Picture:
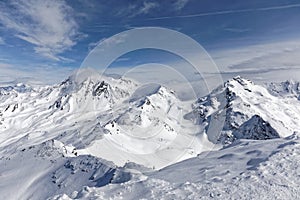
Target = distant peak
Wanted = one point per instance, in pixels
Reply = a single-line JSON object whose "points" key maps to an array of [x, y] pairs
{"points": [[240, 80], [87, 74], [238, 84]]}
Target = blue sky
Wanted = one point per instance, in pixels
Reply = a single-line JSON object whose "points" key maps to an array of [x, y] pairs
{"points": [[42, 35]]}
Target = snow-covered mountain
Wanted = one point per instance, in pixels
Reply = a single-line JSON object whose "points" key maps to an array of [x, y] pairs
{"points": [[95, 136], [115, 119], [250, 111]]}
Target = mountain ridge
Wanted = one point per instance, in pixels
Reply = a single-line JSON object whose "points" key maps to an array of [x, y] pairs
{"points": [[111, 133]]}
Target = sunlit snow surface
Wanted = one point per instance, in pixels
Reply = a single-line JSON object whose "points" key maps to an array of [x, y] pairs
{"points": [[81, 139]]}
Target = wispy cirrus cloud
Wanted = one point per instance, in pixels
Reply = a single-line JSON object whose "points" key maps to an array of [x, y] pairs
{"points": [[107, 41], [226, 12], [46, 24], [236, 30], [180, 4], [147, 7], [141, 8], [11, 74]]}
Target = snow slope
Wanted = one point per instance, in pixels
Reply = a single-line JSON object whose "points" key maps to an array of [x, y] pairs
{"points": [[115, 119], [47, 169], [149, 129], [248, 169], [101, 137]]}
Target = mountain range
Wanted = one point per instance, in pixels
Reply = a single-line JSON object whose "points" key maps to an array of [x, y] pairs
{"points": [[95, 136]]}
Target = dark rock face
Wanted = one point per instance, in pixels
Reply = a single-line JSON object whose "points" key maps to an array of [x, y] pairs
{"points": [[257, 129], [100, 89]]}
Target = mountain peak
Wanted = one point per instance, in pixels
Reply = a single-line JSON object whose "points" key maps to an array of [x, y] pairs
{"points": [[82, 75], [239, 83], [287, 88], [247, 109]]}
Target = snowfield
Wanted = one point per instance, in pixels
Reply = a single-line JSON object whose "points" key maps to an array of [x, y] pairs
{"points": [[95, 137], [247, 169]]}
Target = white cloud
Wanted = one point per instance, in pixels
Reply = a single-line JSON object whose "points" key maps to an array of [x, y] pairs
{"points": [[4, 65], [142, 8], [48, 25], [268, 62], [180, 4], [236, 30], [147, 6], [227, 12], [107, 42], [11, 74], [92, 45]]}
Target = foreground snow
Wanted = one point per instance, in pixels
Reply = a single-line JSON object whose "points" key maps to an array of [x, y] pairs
{"points": [[246, 170]]}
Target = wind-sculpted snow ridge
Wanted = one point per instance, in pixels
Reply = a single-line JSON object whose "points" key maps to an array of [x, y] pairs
{"points": [[50, 168], [96, 136], [247, 169]]}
